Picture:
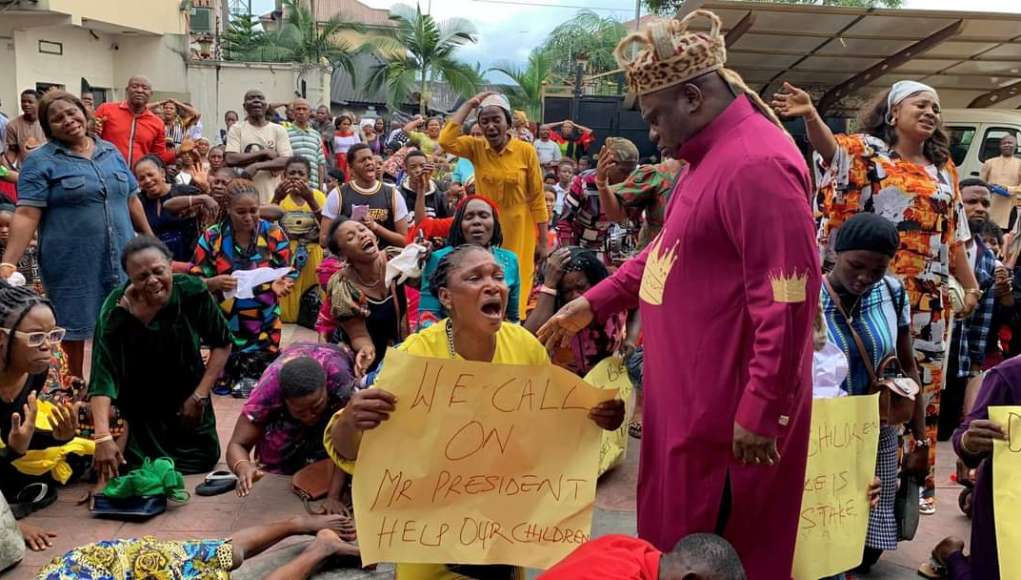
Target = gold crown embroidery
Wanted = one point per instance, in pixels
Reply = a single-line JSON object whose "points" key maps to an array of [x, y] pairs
{"points": [[789, 290], [657, 268]]}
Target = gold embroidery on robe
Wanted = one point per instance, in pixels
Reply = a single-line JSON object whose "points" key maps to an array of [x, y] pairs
{"points": [[657, 268], [789, 289]]}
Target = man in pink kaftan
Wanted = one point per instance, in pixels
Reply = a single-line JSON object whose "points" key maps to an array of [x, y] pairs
{"points": [[727, 294]]}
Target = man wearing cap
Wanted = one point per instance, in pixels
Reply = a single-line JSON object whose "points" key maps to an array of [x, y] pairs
{"points": [[727, 292]]}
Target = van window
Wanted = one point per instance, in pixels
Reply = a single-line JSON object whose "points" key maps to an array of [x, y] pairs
{"points": [[960, 141], [991, 142]]}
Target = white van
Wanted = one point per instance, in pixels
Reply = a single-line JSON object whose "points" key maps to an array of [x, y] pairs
{"points": [[975, 135]]}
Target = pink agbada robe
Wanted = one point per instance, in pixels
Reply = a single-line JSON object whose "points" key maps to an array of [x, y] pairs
{"points": [[727, 330]]}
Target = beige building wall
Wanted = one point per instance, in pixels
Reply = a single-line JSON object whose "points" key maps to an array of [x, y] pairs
{"points": [[152, 16], [218, 87], [85, 55]]}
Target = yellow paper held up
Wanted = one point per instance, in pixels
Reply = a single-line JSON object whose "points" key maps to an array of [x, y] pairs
{"points": [[834, 519], [610, 373], [1006, 494], [479, 464]]}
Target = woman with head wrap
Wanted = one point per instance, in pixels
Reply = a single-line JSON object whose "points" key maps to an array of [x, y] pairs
{"points": [[899, 167], [858, 297], [507, 171]]}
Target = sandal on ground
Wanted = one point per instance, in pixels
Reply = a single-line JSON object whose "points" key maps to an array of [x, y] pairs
{"points": [[32, 498], [216, 483], [927, 506], [932, 570], [634, 429]]}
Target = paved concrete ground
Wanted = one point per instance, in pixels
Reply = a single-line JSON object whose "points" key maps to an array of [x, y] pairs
{"points": [[272, 500]]}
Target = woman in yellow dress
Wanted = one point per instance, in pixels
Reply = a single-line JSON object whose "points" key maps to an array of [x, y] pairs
{"points": [[301, 207], [469, 284], [508, 172]]}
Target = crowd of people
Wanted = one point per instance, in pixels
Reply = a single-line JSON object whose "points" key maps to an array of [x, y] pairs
{"points": [[724, 263]]}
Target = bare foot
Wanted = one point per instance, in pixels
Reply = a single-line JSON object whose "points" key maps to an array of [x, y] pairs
{"points": [[330, 543], [342, 525], [37, 539], [945, 548]]}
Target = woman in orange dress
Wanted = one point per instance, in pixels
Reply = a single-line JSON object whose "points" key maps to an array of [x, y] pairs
{"points": [[899, 167]]}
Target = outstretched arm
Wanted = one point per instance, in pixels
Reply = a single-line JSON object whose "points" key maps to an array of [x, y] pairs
{"points": [[794, 102]]}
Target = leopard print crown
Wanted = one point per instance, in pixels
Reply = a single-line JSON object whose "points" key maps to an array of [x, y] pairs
{"points": [[669, 54]]}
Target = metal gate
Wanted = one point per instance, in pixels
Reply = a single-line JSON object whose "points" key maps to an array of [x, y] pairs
{"points": [[605, 116]]}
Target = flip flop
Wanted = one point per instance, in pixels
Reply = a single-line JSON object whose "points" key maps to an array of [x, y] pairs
{"points": [[33, 497], [634, 429], [216, 483]]}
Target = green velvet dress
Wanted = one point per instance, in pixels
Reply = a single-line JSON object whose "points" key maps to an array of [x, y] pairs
{"points": [[149, 371]]}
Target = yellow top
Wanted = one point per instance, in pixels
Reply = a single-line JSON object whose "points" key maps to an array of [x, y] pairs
{"points": [[512, 178], [289, 204], [514, 346]]}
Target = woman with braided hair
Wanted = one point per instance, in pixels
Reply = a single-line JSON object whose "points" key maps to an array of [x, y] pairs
{"points": [[29, 343], [569, 273], [244, 241], [469, 283], [146, 359]]}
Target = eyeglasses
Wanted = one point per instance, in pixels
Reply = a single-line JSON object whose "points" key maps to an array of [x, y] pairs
{"points": [[36, 339]]}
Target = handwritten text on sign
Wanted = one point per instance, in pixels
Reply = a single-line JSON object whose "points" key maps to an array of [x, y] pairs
{"points": [[479, 464], [1006, 493], [834, 506]]}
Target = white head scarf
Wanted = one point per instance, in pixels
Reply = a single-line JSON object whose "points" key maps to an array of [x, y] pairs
{"points": [[496, 100], [904, 89]]}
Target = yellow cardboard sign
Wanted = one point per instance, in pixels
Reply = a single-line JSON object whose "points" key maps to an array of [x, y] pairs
{"points": [[610, 373], [479, 464], [834, 519], [1006, 493]]}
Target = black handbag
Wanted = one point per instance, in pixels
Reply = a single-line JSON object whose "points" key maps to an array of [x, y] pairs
{"points": [[905, 507], [308, 308]]}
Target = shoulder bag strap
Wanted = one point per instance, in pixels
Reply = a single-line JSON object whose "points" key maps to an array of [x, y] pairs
{"points": [[854, 334]]}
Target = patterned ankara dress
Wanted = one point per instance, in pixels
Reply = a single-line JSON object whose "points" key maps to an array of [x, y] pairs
{"points": [[254, 322], [924, 202], [144, 558]]}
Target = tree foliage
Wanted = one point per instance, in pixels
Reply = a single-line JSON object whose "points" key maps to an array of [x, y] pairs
{"points": [[301, 39], [241, 37], [587, 34], [529, 80], [422, 50], [671, 6]]}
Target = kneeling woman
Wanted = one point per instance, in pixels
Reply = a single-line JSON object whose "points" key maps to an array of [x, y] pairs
{"points": [[568, 274], [469, 283], [475, 222], [244, 241], [146, 359]]}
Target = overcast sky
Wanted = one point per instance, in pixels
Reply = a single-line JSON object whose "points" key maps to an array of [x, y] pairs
{"points": [[509, 29]]}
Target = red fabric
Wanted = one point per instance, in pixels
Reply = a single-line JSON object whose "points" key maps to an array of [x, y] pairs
{"points": [[150, 132], [431, 229], [613, 557], [9, 190]]}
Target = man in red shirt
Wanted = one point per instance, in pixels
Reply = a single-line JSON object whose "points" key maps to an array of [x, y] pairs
{"points": [[132, 128]]}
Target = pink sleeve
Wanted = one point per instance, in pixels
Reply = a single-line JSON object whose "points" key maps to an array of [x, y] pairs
{"points": [[781, 280], [325, 322], [620, 291]]}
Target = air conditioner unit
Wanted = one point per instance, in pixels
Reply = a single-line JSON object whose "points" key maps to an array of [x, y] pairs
{"points": [[202, 20]]}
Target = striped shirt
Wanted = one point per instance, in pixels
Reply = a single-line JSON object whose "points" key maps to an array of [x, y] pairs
{"points": [[308, 144]]}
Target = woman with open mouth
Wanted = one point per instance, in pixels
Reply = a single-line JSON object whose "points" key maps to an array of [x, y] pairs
{"points": [[508, 172], [899, 167], [146, 359], [476, 221], [371, 313], [469, 283]]}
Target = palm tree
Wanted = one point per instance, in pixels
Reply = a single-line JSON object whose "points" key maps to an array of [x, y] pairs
{"points": [[302, 39], [527, 95], [586, 34], [422, 50]]}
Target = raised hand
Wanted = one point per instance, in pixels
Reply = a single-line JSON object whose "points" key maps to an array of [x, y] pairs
{"points": [[23, 426], [790, 101]]}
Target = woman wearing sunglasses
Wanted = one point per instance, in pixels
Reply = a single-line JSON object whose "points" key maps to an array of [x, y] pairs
{"points": [[29, 342]]}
